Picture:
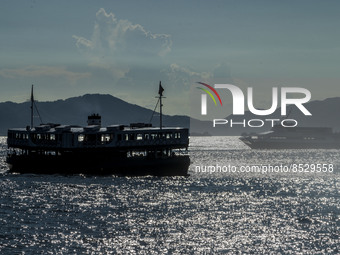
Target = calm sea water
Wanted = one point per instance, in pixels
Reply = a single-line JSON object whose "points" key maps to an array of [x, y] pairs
{"points": [[212, 211]]}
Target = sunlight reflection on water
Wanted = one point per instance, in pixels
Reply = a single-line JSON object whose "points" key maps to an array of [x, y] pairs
{"points": [[204, 213]]}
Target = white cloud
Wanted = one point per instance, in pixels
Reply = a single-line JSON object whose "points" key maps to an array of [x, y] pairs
{"points": [[83, 42], [202, 76], [115, 43], [185, 76], [39, 71], [129, 56]]}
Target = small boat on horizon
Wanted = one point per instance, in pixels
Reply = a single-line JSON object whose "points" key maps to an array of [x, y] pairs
{"points": [[280, 137], [135, 150]]}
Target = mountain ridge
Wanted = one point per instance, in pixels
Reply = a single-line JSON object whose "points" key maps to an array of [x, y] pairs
{"points": [[74, 111]]}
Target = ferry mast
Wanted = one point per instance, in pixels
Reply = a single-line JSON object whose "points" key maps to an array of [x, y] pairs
{"points": [[32, 104], [160, 93]]}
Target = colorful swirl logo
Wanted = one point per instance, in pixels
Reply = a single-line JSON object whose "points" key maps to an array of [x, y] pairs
{"points": [[209, 93]]}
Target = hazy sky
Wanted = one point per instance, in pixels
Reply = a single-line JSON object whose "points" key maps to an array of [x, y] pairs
{"points": [[124, 48]]}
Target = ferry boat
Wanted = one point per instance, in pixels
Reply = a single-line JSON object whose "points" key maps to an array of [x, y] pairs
{"points": [[134, 150], [280, 137]]}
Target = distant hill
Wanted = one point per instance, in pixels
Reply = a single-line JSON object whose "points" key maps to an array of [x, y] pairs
{"points": [[74, 111]]}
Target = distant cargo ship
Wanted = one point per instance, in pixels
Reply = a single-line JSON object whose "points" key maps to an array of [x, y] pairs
{"points": [[137, 149], [280, 137]]}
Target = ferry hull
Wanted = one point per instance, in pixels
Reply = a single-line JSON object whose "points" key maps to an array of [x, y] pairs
{"points": [[96, 165]]}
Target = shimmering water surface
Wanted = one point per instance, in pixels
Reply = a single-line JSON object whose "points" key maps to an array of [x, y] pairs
{"points": [[208, 212]]}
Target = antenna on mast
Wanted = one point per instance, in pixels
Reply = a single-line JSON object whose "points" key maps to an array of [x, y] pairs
{"points": [[32, 109], [32, 103], [159, 101], [160, 93]]}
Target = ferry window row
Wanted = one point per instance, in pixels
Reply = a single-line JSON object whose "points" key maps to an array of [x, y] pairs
{"points": [[147, 136], [107, 138], [18, 136], [45, 137], [104, 138], [24, 136]]}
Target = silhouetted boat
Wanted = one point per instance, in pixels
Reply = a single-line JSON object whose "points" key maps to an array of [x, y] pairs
{"points": [[280, 137], [137, 149]]}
